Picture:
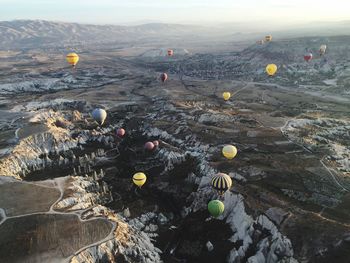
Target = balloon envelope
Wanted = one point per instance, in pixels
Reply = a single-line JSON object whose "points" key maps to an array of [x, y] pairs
{"points": [[99, 115], [72, 59], [163, 77], [216, 208], [323, 49], [149, 146], [308, 57], [170, 52], [229, 151], [139, 179], [155, 143], [221, 182], [226, 95], [120, 132], [268, 38], [271, 69]]}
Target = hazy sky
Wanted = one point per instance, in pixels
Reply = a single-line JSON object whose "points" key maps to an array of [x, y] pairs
{"points": [[178, 11]]}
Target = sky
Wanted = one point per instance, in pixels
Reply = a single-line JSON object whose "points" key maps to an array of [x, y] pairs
{"points": [[177, 11]]}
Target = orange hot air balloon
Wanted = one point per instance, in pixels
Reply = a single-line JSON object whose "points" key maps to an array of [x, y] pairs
{"points": [[163, 77], [170, 52]]}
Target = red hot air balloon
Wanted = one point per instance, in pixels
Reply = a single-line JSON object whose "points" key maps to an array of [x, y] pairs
{"points": [[308, 57], [163, 77], [170, 52], [156, 143], [120, 132], [149, 146]]}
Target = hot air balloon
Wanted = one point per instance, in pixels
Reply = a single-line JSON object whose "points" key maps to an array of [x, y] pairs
{"points": [[163, 77], [221, 182], [155, 143], [271, 69], [72, 59], [226, 95], [308, 56], [268, 38], [99, 115], [323, 49], [139, 179], [149, 146], [170, 52], [216, 208], [120, 132], [229, 151]]}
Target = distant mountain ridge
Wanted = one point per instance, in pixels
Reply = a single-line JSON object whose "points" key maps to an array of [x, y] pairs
{"points": [[27, 34], [36, 33]]}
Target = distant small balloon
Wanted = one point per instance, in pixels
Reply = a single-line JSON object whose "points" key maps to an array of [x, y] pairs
{"points": [[323, 49], [139, 179], [308, 57], [149, 146], [271, 69], [226, 95], [72, 59], [99, 115], [170, 52], [156, 143], [268, 38], [163, 77], [120, 132]]}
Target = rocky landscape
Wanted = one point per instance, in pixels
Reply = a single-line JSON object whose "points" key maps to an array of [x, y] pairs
{"points": [[67, 182]]}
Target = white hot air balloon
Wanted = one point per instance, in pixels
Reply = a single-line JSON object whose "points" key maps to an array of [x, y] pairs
{"points": [[323, 49], [99, 115]]}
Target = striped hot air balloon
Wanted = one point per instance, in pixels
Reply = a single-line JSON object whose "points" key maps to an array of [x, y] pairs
{"points": [[139, 179], [221, 183], [268, 38], [72, 59]]}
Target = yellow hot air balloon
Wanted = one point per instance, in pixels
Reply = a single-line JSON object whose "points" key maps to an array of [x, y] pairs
{"points": [[268, 38], [229, 151], [271, 69], [72, 59], [226, 95], [139, 179]]}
